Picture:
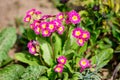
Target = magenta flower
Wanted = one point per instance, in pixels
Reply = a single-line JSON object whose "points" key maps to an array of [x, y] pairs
{"points": [[51, 26], [80, 42], [32, 50], [32, 26], [37, 30], [84, 63], [36, 23], [74, 17], [43, 25], [58, 68], [60, 30], [31, 12], [57, 23], [60, 16], [46, 33], [29, 44], [62, 60], [27, 18], [85, 35], [77, 32], [38, 12]]}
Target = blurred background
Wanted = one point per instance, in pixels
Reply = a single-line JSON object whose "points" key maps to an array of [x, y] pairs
{"points": [[12, 10]]}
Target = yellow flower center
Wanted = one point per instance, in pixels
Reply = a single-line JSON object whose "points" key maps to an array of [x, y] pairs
{"points": [[58, 69], [84, 35], [83, 63], [80, 41], [46, 32], [31, 13], [27, 19], [43, 25], [61, 16], [51, 26], [60, 28], [77, 33], [74, 18], [38, 29], [33, 49], [62, 60]]}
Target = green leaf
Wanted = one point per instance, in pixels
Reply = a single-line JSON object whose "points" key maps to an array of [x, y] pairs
{"points": [[27, 58], [102, 58], [57, 44], [30, 34], [65, 76], [46, 50], [43, 78], [116, 32], [7, 40], [11, 72], [33, 72], [67, 65]]}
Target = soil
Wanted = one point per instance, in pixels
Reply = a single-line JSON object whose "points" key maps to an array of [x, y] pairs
{"points": [[10, 9]]}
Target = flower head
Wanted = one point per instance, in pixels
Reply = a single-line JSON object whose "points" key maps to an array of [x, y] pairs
{"points": [[32, 50], [43, 25], [80, 42], [57, 23], [36, 23], [27, 18], [31, 12], [84, 63], [58, 68], [51, 26], [60, 30], [77, 32], [37, 30], [62, 60], [74, 17], [60, 16], [29, 44], [46, 33], [85, 35]]}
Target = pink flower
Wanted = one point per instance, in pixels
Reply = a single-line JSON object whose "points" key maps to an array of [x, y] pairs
{"points": [[80, 42], [60, 16], [46, 33], [31, 12], [62, 60], [58, 68], [36, 23], [60, 30], [37, 30], [38, 12], [43, 25], [57, 23], [32, 50], [74, 17], [51, 26], [84, 63], [27, 18], [85, 35], [29, 44], [77, 32], [32, 26]]}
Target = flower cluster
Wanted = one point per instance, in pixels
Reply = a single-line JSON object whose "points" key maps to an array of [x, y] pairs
{"points": [[84, 63], [80, 35], [46, 24], [32, 46], [61, 62]]}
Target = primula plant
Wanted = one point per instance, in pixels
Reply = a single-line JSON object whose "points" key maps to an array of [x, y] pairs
{"points": [[61, 48]]}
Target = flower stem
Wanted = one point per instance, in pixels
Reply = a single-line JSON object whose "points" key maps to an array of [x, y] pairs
{"points": [[53, 55]]}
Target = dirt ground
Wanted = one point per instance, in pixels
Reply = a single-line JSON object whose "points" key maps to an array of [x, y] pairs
{"points": [[10, 9]]}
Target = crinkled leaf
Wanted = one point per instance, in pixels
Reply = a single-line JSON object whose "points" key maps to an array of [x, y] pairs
{"points": [[33, 72], [7, 40], [11, 72], [27, 58], [102, 58], [46, 50]]}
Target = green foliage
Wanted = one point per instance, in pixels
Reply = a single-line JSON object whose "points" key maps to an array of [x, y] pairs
{"points": [[102, 57], [7, 40], [27, 58], [11, 72], [33, 72]]}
